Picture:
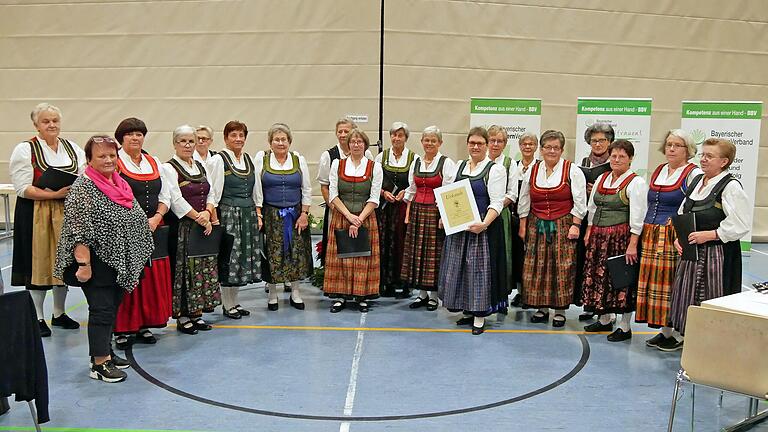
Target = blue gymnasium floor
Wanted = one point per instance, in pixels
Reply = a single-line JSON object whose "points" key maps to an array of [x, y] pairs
{"points": [[391, 369]]}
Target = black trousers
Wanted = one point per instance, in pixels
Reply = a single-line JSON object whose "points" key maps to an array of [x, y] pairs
{"points": [[103, 302]]}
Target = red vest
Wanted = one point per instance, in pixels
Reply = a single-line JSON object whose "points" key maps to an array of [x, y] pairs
{"points": [[551, 203], [426, 183]]}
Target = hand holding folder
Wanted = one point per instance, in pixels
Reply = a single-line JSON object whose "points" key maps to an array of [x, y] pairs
{"points": [[201, 245], [349, 247], [623, 276]]}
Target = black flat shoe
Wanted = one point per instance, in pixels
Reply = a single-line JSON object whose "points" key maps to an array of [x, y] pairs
{"points": [[655, 341], [64, 322], [558, 320], [299, 306], [597, 327], [122, 342], [517, 301], [432, 305], [503, 310], [466, 320], [586, 316], [186, 328], [478, 330], [45, 331], [208, 310], [272, 306], [145, 336], [231, 313], [202, 325], [540, 317], [421, 301], [363, 307], [242, 311], [619, 335], [336, 307]]}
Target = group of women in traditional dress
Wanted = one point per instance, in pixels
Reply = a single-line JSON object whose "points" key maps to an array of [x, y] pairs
{"points": [[544, 229]]}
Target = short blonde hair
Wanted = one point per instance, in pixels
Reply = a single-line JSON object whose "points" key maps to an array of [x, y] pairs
{"points": [[496, 129]]}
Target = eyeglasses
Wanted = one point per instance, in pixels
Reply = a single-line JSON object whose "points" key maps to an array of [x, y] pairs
{"points": [[357, 142], [280, 140], [674, 145], [708, 156], [476, 144], [203, 139], [99, 140], [598, 140], [528, 144], [186, 142], [496, 141], [551, 148]]}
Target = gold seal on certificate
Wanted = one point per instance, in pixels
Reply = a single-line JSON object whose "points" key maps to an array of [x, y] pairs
{"points": [[458, 209]]}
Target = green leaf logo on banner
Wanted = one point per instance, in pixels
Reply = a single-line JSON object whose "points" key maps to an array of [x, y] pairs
{"points": [[698, 136]]}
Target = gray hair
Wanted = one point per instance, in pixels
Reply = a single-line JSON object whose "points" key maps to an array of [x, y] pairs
{"points": [[604, 128], [183, 130], [42, 107], [432, 130], [496, 129], [206, 129], [396, 126], [553, 135], [683, 135], [528, 136], [279, 127], [347, 121]]}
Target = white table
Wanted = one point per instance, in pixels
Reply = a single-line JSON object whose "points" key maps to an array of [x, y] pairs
{"points": [[6, 189]]}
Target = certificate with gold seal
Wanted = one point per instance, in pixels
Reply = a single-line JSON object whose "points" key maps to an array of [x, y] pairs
{"points": [[458, 209]]}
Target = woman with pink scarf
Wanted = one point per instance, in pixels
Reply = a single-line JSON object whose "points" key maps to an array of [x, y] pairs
{"points": [[105, 242]]}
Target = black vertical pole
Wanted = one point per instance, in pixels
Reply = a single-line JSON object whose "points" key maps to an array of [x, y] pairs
{"points": [[380, 144]]}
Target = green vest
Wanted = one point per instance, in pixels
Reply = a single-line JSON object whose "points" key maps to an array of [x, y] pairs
{"points": [[612, 208], [238, 184], [355, 191]]}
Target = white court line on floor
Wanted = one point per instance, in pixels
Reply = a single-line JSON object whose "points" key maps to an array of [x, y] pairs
{"points": [[349, 402], [760, 252], [7, 267]]}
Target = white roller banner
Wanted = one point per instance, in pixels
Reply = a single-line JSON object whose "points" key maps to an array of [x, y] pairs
{"points": [[517, 116]]}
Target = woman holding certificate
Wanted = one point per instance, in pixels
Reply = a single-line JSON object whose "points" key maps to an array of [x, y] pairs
{"points": [[617, 208], [195, 278], [424, 236], [722, 217], [149, 305], [354, 190], [395, 162], [232, 176], [283, 196], [553, 201], [39, 209], [658, 257], [473, 271]]}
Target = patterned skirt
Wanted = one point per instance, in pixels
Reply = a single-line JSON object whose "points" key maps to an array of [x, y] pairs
{"points": [[195, 281], [518, 252], [598, 295], [149, 304], [391, 220], [473, 271], [550, 266], [279, 267], [506, 222], [352, 278], [716, 273], [423, 247], [658, 260], [244, 264]]}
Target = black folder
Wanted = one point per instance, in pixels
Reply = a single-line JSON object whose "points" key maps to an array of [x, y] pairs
{"points": [[348, 247], [591, 174], [55, 179], [623, 276], [160, 237], [684, 225], [201, 245]]}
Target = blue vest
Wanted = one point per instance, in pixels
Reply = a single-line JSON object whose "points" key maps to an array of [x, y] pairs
{"points": [[282, 188], [479, 185], [664, 201]]}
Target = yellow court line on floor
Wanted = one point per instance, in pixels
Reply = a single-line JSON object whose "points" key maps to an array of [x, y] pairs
{"points": [[408, 329]]}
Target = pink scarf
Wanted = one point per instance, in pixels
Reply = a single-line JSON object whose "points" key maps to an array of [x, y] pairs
{"points": [[119, 192]]}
